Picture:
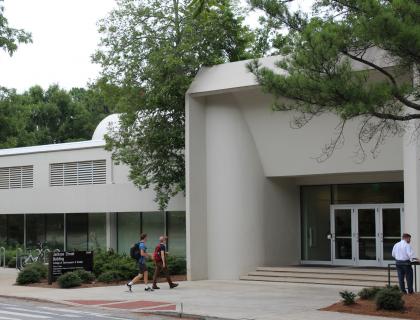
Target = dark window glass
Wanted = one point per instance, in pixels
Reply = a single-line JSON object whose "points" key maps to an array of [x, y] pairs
{"points": [[77, 231], [153, 223], [97, 231], [176, 233], [3, 230], [315, 218], [15, 230], [55, 231], [35, 230], [392, 192], [128, 230]]}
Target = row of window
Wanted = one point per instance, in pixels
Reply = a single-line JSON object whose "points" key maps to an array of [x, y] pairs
{"points": [[61, 174]]}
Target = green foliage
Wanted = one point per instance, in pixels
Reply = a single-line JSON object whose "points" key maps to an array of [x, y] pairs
{"points": [[110, 276], [320, 51], [10, 37], [85, 276], [27, 276], [55, 115], [110, 261], [368, 293], [41, 268], [389, 299], [69, 280], [152, 50], [348, 297], [176, 265]]}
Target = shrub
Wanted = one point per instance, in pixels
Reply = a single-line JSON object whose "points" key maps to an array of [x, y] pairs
{"points": [[111, 261], [85, 276], [11, 263], [368, 293], [69, 280], [38, 267], [348, 297], [110, 276], [27, 276], [389, 299], [177, 265]]}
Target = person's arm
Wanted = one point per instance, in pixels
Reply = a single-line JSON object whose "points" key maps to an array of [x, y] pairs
{"points": [[163, 256], [410, 252]]}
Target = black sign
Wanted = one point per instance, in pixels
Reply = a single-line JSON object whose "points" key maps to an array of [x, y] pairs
{"points": [[62, 262]]}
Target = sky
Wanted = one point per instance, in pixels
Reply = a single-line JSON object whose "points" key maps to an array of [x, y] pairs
{"points": [[64, 34]]}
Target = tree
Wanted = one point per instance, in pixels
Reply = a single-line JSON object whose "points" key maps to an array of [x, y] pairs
{"points": [[10, 37], [152, 51], [319, 51]]}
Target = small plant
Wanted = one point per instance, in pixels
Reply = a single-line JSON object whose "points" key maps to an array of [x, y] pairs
{"points": [[69, 280], [368, 293], [110, 276], [38, 267], [85, 276], [348, 297], [389, 299], [27, 276]]}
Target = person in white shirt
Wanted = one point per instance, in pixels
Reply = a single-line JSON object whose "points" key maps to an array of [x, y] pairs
{"points": [[404, 255]]}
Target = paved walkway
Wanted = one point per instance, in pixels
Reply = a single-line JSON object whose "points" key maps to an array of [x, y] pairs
{"points": [[223, 299]]}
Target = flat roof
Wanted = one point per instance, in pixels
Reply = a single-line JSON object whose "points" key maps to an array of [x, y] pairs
{"points": [[53, 147]]}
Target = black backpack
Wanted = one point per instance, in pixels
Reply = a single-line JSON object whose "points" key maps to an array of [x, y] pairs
{"points": [[135, 251]]}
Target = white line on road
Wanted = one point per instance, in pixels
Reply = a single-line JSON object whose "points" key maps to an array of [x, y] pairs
{"points": [[24, 315], [42, 312], [6, 318], [75, 312]]}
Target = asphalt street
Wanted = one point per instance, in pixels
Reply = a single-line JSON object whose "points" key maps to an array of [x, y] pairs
{"points": [[16, 309]]}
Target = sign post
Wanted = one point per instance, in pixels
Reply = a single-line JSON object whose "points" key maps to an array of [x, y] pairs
{"points": [[62, 262]]}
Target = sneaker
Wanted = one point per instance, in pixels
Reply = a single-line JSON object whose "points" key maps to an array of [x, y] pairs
{"points": [[173, 285], [155, 287], [129, 287], [148, 289]]}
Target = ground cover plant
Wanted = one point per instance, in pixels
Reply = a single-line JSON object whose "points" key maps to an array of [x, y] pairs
{"points": [[348, 297], [32, 273], [69, 280]]}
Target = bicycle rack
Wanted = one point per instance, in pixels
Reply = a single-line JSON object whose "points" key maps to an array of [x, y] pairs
{"points": [[3, 257], [19, 253], [46, 255]]}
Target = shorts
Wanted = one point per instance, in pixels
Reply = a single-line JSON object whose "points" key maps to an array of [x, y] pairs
{"points": [[142, 268]]}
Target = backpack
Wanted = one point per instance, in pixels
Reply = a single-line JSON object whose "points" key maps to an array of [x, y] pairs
{"points": [[156, 253], [135, 251]]}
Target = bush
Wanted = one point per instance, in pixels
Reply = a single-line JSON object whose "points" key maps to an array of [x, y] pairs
{"points": [[177, 265], [110, 276], [38, 267], [111, 261], [85, 276], [27, 276], [368, 293], [348, 297], [11, 263], [389, 299], [69, 280]]}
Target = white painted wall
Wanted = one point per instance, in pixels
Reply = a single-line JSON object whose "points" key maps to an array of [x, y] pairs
{"points": [[118, 195]]}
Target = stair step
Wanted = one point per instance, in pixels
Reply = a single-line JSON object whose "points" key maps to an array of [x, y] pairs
{"points": [[325, 275], [314, 270], [364, 283]]}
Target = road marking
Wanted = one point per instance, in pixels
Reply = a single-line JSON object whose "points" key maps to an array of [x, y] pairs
{"points": [[6, 318], [104, 315], [24, 315], [42, 312]]}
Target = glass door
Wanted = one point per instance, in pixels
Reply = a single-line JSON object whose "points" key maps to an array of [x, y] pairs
{"points": [[391, 225], [366, 237], [342, 235]]}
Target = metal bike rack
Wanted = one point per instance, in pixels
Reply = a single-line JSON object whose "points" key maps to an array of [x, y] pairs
{"points": [[3, 256], [19, 252]]}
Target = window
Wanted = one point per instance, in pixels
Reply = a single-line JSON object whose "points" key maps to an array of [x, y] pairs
{"points": [[176, 233], [77, 231], [153, 223], [97, 231], [17, 177], [78, 173], [128, 230]]}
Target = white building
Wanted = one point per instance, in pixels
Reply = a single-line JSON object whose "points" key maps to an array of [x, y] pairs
{"points": [[73, 196], [256, 196]]}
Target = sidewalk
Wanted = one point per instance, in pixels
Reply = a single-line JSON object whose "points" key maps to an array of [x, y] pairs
{"points": [[222, 299]]}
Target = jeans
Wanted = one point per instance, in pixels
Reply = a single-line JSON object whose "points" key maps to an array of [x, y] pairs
{"points": [[405, 271]]}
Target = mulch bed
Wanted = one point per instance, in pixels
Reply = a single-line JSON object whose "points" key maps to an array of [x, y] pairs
{"points": [[44, 283], [368, 307]]}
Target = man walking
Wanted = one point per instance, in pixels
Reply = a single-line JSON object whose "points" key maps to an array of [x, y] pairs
{"points": [[404, 255], [143, 255], [159, 256]]}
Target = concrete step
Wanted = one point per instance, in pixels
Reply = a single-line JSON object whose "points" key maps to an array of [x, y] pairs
{"points": [[338, 270], [340, 282], [324, 275]]}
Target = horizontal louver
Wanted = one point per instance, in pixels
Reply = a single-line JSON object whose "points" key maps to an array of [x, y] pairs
{"points": [[78, 173], [17, 177]]}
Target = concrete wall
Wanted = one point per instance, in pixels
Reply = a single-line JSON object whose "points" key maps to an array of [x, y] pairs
{"points": [[117, 195]]}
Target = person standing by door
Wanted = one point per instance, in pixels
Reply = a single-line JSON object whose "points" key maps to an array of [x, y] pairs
{"points": [[403, 254], [159, 256]]}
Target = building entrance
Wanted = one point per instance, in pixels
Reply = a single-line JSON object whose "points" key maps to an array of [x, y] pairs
{"points": [[363, 235]]}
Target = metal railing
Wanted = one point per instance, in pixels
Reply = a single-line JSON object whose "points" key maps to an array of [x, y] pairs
{"points": [[26, 257], [415, 264], [3, 257]]}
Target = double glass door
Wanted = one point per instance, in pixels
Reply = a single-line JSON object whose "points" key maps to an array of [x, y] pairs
{"points": [[364, 235]]}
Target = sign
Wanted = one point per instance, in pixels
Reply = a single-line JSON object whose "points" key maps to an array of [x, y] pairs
{"points": [[62, 262]]}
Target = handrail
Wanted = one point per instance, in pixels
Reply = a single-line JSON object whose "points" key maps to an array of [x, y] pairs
{"points": [[3, 256], [415, 264]]}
